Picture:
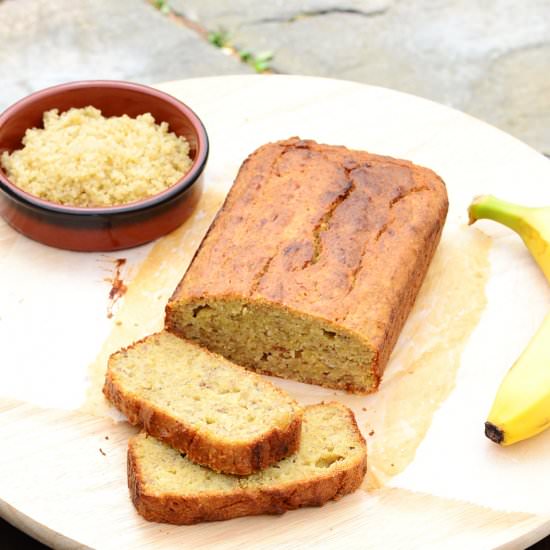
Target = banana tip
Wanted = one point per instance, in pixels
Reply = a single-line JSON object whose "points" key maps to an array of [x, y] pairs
{"points": [[494, 433]]}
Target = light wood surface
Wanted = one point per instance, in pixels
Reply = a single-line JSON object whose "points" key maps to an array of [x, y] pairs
{"points": [[63, 471]]}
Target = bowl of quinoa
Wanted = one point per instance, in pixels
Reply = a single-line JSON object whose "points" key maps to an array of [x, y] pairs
{"points": [[99, 165]]}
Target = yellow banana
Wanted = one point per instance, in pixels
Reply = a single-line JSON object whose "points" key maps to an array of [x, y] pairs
{"points": [[521, 408], [531, 224]]}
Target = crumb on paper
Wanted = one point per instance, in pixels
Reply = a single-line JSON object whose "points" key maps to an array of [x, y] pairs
{"points": [[102, 452], [371, 433]]}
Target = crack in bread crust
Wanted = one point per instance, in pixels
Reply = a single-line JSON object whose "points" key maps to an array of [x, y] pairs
{"points": [[324, 222]]}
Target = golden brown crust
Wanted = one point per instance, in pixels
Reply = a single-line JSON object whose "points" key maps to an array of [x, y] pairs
{"points": [[186, 510], [355, 257], [409, 293], [238, 458]]}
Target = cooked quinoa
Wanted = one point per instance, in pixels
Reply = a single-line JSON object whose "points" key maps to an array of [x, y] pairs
{"points": [[82, 158]]}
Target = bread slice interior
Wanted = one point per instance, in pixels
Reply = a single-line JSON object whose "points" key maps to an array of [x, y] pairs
{"points": [[271, 339], [220, 414], [330, 463]]}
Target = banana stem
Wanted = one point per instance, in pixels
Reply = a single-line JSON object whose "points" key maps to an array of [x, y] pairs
{"points": [[490, 208]]}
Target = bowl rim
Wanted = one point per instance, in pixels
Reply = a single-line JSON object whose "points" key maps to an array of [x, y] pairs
{"points": [[180, 186]]}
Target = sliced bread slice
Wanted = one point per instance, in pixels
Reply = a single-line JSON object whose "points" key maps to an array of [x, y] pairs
{"points": [[219, 414], [166, 486]]}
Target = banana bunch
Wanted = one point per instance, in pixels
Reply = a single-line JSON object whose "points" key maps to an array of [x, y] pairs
{"points": [[522, 404]]}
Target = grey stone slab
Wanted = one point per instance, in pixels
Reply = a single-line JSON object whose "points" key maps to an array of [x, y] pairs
{"points": [[515, 95], [488, 58], [45, 42], [219, 13]]}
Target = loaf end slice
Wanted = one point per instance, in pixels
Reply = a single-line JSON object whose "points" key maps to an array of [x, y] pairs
{"points": [[321, 251], [166, 486], [217, 413]]}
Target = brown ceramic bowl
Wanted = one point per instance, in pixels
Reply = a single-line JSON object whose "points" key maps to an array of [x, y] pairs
{"points": [[102, 228]]}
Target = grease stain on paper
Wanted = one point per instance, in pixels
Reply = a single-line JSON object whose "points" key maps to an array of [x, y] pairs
{"points": [[424, 364], [118, 286], [141, 311]]}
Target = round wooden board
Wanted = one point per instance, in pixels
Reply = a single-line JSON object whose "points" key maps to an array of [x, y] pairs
{"points": [[63, 472]]}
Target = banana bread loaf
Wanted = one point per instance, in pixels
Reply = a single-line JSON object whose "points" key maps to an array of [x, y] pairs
{"points": [[167, 487], [313, 263], [219, 414]]}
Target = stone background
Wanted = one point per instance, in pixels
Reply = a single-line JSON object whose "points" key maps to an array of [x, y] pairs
{"points": [[490, 58]]}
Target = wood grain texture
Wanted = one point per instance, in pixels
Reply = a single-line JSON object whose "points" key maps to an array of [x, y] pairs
{"points": [[63, 474], [82, 470]]}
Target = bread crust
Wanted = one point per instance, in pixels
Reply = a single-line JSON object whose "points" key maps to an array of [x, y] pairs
{"points": [[386, 219], [221, 456], [190, 509]]}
